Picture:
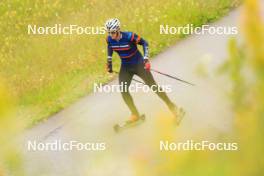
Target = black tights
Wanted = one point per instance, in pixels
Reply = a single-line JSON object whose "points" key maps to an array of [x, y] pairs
{"points": [[125, 77]]}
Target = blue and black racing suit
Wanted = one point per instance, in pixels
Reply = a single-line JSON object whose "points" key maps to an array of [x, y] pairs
{"points": [[132, 63]]}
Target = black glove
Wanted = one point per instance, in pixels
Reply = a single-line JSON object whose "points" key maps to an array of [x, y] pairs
{"points": [[109, 67]]}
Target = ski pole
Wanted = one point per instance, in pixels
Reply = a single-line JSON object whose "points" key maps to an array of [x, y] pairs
{"points": [[173, 77], [132, 79]]}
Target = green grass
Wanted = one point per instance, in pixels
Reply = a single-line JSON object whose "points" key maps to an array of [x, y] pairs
{"points": [[47, 73]]}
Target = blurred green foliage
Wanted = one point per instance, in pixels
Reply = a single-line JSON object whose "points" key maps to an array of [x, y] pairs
{"points": [[10, 126]]}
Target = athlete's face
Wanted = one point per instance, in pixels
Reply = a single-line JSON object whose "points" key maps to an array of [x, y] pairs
{"points": [[114, 35]]}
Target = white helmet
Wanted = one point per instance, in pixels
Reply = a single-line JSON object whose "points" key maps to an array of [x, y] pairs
{"points": [[112, 25]]}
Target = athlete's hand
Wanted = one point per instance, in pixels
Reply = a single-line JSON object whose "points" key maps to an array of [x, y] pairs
{"points": [[147, 64], [109, 67]]}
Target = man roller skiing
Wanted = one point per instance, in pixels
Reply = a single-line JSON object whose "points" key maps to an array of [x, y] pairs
{"points": [[133, 63]]}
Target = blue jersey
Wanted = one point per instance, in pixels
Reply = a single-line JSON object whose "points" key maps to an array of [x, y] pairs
{"points": [[127, 49]]}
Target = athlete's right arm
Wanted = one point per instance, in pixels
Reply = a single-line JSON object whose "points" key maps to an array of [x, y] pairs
{"points": [[109, 58]]}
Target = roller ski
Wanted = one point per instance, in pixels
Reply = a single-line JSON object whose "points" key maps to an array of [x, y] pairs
{"points": [[178, 113], [134, 121]]}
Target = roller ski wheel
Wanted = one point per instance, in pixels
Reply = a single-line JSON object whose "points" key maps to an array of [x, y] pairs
{"points": [[128, 124]]}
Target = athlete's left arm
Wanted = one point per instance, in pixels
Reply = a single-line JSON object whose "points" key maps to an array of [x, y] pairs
{"points": [[139, 40]]}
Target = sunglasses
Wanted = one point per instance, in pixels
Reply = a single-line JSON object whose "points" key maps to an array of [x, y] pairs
{"points": [[112, 33]]}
